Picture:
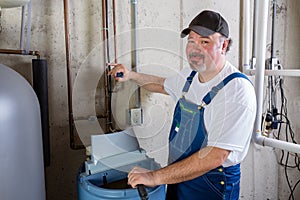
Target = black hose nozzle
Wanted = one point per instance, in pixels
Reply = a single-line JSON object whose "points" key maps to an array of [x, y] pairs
{"points": [[142, 192]]}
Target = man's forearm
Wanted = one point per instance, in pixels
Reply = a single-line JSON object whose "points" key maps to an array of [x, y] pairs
{"points": [[194, 166], [148, 82]]}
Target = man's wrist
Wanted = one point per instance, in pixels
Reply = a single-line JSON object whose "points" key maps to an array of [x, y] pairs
{"points": [[132, 75], [156, 177]]}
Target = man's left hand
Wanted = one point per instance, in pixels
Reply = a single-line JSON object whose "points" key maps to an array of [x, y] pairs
{"points": [[140, 175]]}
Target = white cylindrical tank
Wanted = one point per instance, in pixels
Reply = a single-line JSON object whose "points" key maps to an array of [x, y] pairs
{"points": [[21, 154]]}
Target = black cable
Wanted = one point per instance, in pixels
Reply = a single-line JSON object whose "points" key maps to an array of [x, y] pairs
{"points": [[295, 187], [287, 178], [284, 114], [289, 136]]}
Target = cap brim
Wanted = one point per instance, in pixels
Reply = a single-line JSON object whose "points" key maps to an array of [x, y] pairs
{"points": [[198, 29]]}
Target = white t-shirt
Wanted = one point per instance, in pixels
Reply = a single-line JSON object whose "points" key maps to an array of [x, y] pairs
{"points": [[230, 116]]}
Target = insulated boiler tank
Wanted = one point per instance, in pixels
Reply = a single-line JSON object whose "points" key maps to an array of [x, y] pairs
{"points": [[21, 154]]}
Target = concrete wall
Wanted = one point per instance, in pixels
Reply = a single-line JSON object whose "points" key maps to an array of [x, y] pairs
{"points": [[161, 52]]}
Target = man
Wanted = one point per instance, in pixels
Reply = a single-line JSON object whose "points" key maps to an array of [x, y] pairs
{"points": [[213, 118]]}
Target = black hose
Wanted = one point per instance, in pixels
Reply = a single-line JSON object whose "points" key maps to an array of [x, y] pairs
{"points": [[142, 192]]}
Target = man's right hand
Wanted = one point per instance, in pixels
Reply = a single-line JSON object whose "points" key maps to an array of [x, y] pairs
{"points": [[119, 72], [148, 82]]}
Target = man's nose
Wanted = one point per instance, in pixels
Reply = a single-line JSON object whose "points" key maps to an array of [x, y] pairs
{"points": [[197, 47]]}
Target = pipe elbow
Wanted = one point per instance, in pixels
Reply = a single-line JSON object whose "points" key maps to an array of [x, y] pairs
{"points": [[258, 138]]}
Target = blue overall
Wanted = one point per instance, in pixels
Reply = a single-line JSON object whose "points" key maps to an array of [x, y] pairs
{"points": [[187, 136]]}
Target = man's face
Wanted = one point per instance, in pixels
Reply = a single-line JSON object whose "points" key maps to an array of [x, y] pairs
{"points": [[203, 52]]}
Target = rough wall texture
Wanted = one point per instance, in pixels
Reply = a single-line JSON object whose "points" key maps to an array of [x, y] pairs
{"points": [[161, 52]]}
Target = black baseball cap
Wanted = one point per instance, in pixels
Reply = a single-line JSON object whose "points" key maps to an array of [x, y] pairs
{"points": [[207, 23]]}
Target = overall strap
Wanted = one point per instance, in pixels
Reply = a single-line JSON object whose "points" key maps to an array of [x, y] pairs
{"points": [[188, 82], [210, 95]]}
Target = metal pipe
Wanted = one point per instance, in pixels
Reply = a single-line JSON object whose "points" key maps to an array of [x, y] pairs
{"points": [[246, 34], [22, 28], [108, 67], [255, 27], [107, 79], [29, 6], [273, 48], [270, 64], [69, 79], [20, 52], [283, 72], [134, 54], [259, 80], [260, 43], [288, 146], [115, 31], [255, 24]]}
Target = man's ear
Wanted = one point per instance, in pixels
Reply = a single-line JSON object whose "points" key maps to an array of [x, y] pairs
{"points": [[224, 46]]}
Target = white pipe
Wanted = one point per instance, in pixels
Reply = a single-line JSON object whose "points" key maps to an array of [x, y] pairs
{"points": [[29, 6], [255, 27], [284, 72], [246, 34], [22, 28], [288, 146], [260, 43], [259, 81], [134, 55]]}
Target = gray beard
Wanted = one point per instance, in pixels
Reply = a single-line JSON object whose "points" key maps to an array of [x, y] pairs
{"points": [[200, 68], [195, 65]]}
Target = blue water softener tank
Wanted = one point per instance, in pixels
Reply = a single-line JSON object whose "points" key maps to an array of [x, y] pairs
{"points": [[21, 154], [104, 177]]}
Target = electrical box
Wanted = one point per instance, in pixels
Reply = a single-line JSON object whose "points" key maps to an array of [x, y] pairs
{"points": [[135, 116]]}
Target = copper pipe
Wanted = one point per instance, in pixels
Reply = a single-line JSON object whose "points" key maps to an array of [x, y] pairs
{"points": [[105, 70], [107, 78], [115, 31], [69, 78], [20, 52]]}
